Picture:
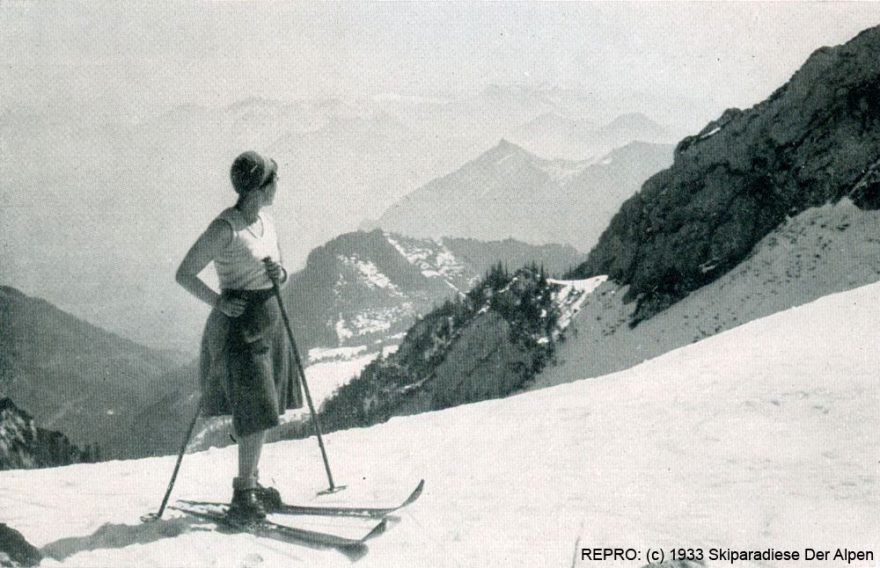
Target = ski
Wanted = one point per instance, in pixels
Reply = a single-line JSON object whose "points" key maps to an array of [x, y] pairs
{"points": [[347, 511], [332, 510], [352, 547]]}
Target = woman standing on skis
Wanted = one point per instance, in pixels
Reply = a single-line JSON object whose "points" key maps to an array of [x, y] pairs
{"points": [[247, 367]]}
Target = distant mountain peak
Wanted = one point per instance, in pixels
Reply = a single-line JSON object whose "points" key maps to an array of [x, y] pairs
{"points": [[507, 145], [629, 117], [506, 148], [633, 121], [509, 191]]}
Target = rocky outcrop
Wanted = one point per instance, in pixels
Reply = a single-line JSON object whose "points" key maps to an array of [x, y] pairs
{"points": [[488, 344], [485, 364], [24, 445], [824, 250], [15, 550], [814, 141]]}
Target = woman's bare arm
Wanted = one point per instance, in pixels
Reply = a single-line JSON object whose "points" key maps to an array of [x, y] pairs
{"points": [[210, 244]]}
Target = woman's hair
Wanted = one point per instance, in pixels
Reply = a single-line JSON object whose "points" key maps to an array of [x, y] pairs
{"points": [[251, 171]]}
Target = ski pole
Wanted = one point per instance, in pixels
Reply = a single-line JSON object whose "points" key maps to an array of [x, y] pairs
{"points": [[333, 488], [192, 425]]}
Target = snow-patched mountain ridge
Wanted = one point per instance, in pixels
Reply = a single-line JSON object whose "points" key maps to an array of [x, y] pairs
{"points": [[381, 282], [435, 260]]}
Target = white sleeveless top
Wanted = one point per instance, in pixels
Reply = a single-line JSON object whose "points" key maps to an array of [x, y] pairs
{"points": [[240, 265]]}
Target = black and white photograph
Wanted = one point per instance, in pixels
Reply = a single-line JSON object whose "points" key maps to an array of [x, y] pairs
{"points": [[444, 284]]}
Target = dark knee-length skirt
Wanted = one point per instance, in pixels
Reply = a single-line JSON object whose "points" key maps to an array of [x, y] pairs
{"points": [[247, 367]]}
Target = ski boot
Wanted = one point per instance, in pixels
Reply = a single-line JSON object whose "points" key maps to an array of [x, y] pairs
{"points": [[246, 506], [269, 497]]}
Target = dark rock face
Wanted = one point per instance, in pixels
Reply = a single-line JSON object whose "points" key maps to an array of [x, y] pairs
{"points": [[814, 141], [483, 365], [15, 550], [24, 445]]}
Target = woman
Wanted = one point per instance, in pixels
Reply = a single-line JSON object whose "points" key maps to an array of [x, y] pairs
{"points": [[247, 367]]}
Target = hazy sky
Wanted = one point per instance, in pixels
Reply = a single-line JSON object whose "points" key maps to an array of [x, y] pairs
{"points": [[137, 57]]}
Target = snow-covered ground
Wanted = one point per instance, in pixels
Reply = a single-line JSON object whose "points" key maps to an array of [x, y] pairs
{"points": [[764, 436]]}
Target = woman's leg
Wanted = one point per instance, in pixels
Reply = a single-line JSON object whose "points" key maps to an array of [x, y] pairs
{"points": [[250, 448], [246, 503]]}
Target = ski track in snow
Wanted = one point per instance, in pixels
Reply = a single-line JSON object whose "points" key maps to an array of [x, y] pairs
{"points": [[762, 436]]}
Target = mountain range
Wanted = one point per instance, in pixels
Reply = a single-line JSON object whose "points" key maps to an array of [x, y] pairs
{"points": [[718, 402], [554, 136], [126, 196], [701, 248], [366, 288], [508, 191]]}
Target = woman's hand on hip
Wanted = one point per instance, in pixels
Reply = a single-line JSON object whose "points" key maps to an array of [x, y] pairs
{"points": [[232, 307]]}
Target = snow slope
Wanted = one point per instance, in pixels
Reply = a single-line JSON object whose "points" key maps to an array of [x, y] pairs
{"points": [[764, 436], [821, 251]]}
